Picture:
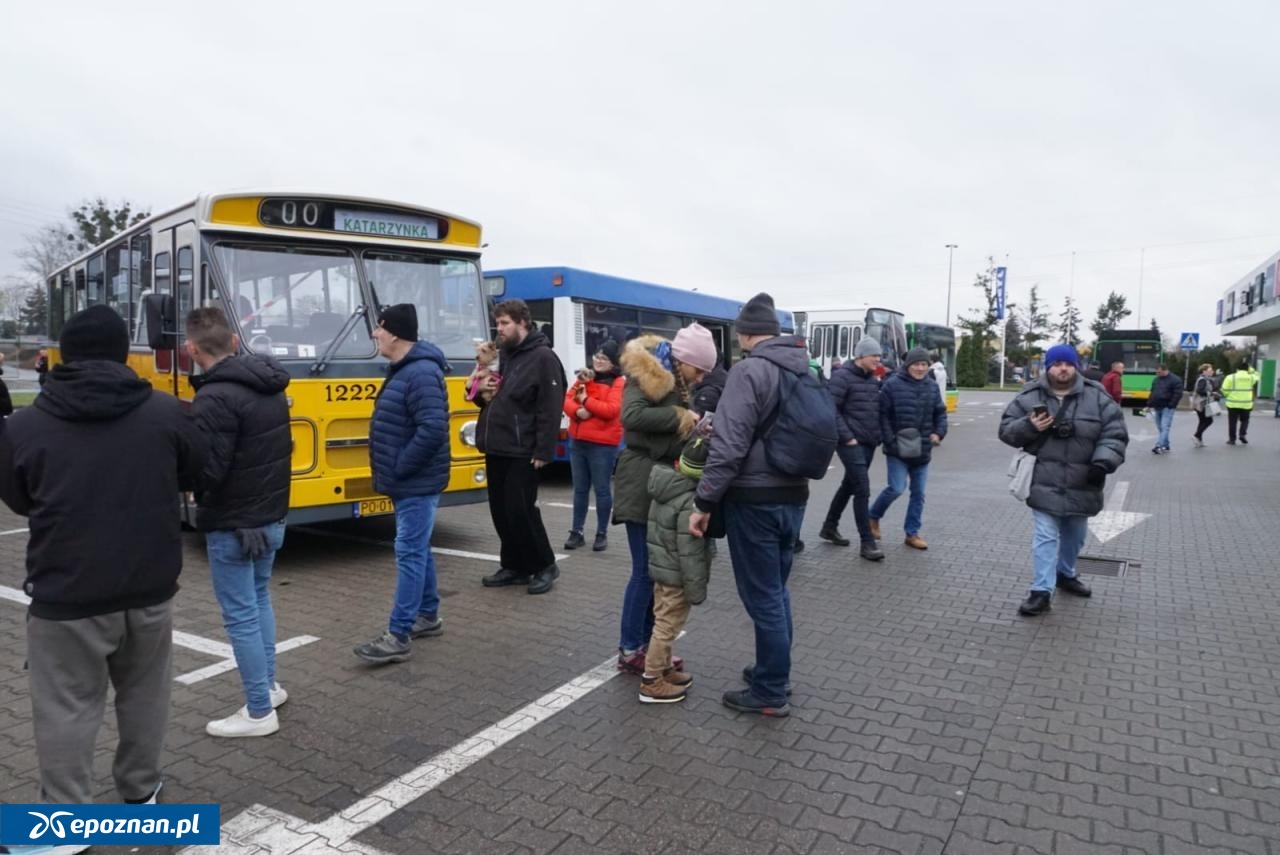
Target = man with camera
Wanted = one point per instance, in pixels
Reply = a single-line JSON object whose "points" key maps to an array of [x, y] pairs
{"points": [[1077, 434]]}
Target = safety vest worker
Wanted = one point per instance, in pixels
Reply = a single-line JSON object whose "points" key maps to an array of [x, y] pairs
{"points": [[1237, 389]]}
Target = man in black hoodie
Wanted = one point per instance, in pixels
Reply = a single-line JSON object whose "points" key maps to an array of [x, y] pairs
{"points": [[517, 431], [97, 464], [243, 499]]}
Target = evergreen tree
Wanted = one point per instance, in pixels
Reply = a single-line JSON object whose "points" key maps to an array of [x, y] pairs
{"points": [[1068, 326], [1110, 314], [971, 363], [33, 317], [1035, 322]]}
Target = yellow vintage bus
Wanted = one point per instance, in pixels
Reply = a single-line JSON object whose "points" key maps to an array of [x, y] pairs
{"points": [[301, 275]]}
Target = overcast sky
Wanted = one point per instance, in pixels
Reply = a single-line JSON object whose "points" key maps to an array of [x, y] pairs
{"points": [[824, 152]]}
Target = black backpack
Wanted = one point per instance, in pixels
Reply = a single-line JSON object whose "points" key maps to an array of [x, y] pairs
{"points": [[800, 434]]}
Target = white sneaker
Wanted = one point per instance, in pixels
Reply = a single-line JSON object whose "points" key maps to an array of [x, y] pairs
{"points": [[241, 724], [278, 695]]}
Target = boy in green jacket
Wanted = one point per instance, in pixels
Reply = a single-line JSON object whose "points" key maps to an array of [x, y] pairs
{"points": [[679, 564]]}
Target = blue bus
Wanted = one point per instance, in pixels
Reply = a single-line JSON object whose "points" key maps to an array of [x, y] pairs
{"points": [[580, 310]]}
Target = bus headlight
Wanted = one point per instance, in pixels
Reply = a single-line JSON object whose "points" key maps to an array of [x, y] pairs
{"points": [[478, 475], [468, 434]]}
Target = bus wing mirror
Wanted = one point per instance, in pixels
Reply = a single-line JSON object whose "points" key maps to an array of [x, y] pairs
{"points": [[158, 310]]}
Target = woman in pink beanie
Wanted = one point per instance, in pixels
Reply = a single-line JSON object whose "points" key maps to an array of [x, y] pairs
{"points": [[695, 347]]}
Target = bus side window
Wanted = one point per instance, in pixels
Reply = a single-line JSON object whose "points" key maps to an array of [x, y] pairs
{"points": [[842, 350]]}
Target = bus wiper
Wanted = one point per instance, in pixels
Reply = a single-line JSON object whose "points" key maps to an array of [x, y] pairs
{"points": [[323, 362]]}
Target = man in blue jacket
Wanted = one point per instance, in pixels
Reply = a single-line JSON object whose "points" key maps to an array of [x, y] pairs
{"points": [[409, 454], [1166, 394], [913, 419]]}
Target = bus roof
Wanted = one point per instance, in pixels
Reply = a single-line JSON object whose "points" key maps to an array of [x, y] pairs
{"points": [[1129, 335], [540, 283], [236, 216]]}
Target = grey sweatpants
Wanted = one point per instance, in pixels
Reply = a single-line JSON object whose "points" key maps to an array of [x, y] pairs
{"points": [[71, 662]]}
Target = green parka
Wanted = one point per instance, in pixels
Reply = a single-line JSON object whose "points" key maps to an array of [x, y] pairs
{"points": [[652, 415], [675, 556]]}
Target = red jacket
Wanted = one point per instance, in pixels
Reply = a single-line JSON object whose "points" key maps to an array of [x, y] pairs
{"points": [[604, 402], [1112, 383]]}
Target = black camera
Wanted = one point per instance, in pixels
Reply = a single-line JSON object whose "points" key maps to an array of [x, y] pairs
{"points": [[1063, 430]]}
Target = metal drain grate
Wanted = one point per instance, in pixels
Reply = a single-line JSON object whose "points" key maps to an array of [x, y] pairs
{"points": [[1101, 566]]}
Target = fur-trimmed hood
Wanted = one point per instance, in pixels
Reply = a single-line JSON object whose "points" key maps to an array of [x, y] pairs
{"points": [[640, 365]]}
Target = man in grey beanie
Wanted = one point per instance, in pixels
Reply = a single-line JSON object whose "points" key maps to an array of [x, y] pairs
{"points": [[855, 388]]}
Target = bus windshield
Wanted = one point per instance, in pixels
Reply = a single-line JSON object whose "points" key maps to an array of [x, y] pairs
{"points": [[888, 328], [290, 302], [445, 291], [1138, 356]]}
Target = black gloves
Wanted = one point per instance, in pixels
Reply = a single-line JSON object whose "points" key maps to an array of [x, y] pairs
{"points": [[1097, 476], [253, 541]]}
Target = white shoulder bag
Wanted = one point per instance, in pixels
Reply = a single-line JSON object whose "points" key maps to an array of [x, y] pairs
{"points": [[1021, 468]]}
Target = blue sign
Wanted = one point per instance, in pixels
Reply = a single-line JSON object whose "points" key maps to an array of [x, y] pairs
{"points": [[107, 825], [1000, 277], [1189, 341]]}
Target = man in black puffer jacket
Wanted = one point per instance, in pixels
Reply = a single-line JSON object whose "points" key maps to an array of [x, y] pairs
{"points": [[517, 431], [97, 463], [855, 388], [913, 419], [243, 500]]}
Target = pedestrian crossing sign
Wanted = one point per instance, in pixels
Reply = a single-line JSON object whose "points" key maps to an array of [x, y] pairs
{"points": [[1189, 341]]}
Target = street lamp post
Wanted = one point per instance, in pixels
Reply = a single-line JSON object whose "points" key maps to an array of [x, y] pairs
{"points": [[951, 249]]}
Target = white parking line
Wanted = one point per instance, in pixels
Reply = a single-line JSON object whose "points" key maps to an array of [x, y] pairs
{"points": [[440, 550], [13, 531], [198, 643], [260, 829]]}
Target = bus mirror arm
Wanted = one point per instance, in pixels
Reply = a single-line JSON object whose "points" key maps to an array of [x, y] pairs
{"points": [[162, 321], [323, 362]]}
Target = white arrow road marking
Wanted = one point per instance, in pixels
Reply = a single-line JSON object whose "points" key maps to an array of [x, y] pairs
{"points": [[1109, 525], [265, 831]]}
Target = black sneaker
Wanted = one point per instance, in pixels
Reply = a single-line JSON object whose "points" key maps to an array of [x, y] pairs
{"points": [[1037, 603], [505, 577], [601, 542], [1244, 441], [748, 674], [425, 625], [544, 580], [831, 534], [575, 540], [798, 548], [871, 551], [1073, 586], [744, 701]]}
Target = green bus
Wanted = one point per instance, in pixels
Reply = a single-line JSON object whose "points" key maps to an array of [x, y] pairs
{"points": [[1141, 352], [941, 340]]}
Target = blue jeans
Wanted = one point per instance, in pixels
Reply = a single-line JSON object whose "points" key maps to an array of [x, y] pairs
{"points": [[1164, 421], [416, 591], [1054, 549], [761, 543], [637, 600], [592, 466], [900, 473], [241, 585]]}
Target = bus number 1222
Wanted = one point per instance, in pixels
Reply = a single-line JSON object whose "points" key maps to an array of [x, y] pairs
{"points": [[350, 392]]}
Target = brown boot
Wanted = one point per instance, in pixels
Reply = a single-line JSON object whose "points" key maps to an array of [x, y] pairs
{"points": [[656, 690], [678, 678], [915, 541], [875, 528]]}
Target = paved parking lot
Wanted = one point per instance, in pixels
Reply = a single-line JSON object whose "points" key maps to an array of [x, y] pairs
{"points": [[928, 717]]}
